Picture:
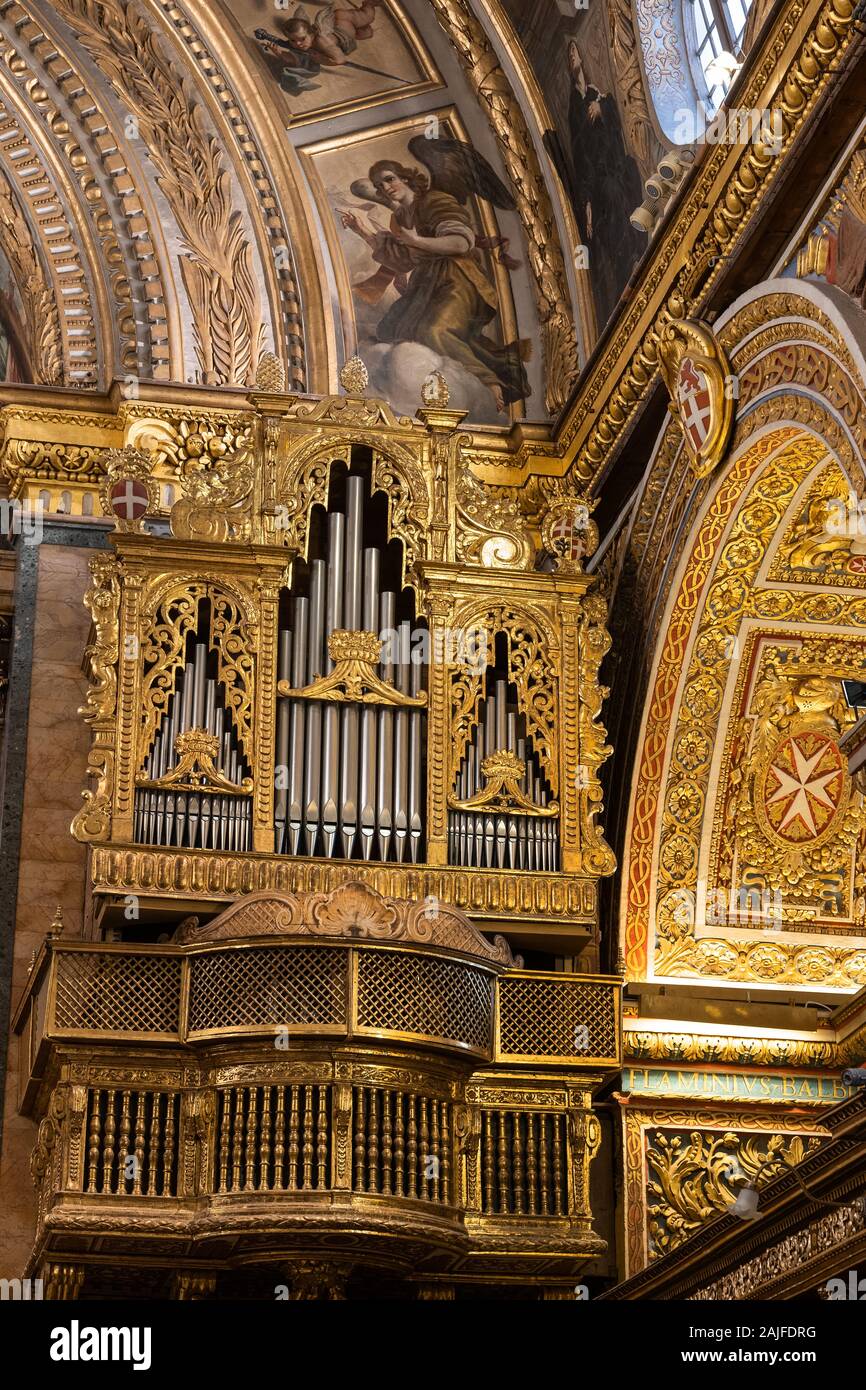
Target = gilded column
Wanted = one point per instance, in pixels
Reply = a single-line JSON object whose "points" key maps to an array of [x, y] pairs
{"points": [[264, 741]]}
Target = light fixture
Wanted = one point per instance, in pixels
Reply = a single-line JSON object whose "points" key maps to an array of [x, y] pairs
{"points": [[746, 1205], [722, 69]]}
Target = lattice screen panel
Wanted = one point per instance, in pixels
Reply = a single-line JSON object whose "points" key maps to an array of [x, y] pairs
{"points": [[283, 986], [557, 1019], [111, 993], [426, 997]]}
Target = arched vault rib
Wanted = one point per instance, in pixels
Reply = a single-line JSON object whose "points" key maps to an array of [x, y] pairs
{"points": [[212, 183], [116, 319], [70, 354]]}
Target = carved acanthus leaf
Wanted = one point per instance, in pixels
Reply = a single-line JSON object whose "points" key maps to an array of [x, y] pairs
{"points": [[217, 267]]}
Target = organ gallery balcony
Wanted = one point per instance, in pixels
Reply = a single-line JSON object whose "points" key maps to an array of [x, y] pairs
{"points": [[315, 1089]]}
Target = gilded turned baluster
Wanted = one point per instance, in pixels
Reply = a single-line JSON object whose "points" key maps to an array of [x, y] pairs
{"points": [[424, 1143], [435, 1150], [518, 1164], [279, 1139], [153, 1137], [560, 1191], [341, 1136], [322, 1139], [487, 1187], [307, 1148], [386, 1143], [543, 1166], [108, 1144], [252, 1125], [168, 1188], [412, 1148], [446, 1151], [360, 1148], [123, 1143], [265, 1141], [531, 1164], [504, 1194], [93, 1146], [237, 1117], [225, 1096], [293, 1140], [373, 1143], [399, 1144], [140, 1121]]}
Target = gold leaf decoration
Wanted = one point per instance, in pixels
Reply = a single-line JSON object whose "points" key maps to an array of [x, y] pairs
{"points": [[217, 265], [41, 314]]}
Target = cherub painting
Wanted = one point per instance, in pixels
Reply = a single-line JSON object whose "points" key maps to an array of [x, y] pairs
{"points": [[432, 286], [328, 54]]}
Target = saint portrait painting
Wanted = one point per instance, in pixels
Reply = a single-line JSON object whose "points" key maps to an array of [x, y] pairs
{"points": [[426, 273], [601, 154]]}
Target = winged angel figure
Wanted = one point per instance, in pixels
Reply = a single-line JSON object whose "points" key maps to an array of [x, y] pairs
{"points": [[430, 254], [324, 38]]}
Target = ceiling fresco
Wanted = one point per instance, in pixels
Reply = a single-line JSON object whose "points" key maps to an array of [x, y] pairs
{"points": [[604, 139], [234, 196]]}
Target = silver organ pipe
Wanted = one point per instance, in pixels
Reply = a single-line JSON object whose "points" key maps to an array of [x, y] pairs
{"points": [[331, 714], [416, 752], [194, 814], [352, 604], [497, 837], [401, 746], [297, 727], [369, 715], [281, 779], [313, 742], [356, 767], [385, 748]]}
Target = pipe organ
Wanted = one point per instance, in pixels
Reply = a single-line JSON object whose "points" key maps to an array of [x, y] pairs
{"points": [[350, 772], [175, 805], [518, 834], [347, 652], [344, 758]]}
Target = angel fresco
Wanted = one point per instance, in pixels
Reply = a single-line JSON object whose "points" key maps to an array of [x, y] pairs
{"points": [[323, 39], [430, 254]]}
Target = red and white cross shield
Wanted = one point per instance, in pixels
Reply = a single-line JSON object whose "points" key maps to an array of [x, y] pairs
{"points": [[129, 499], [569, 533], [693, 396]]}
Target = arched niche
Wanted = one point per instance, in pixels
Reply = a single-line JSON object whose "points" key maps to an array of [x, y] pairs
{"points": [[732, 874]]}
